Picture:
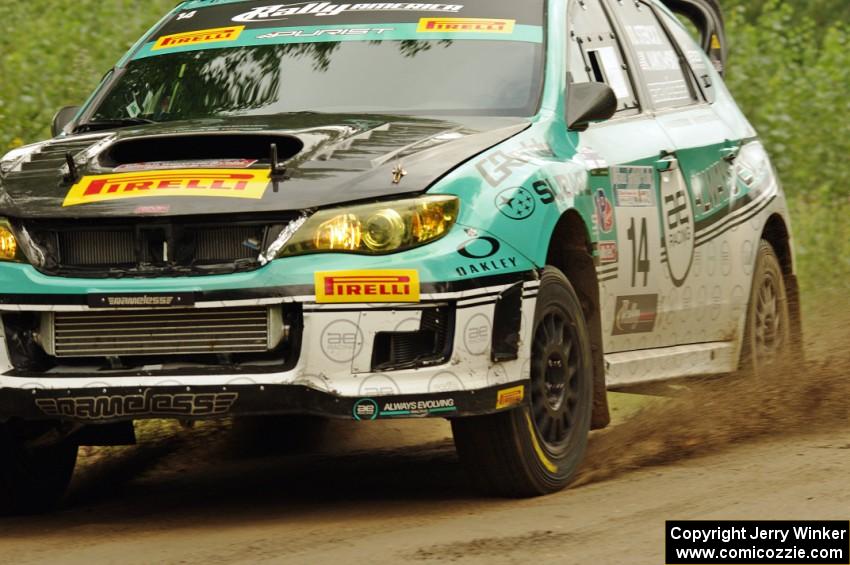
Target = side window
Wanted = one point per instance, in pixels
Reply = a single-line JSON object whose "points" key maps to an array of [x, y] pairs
{"points": [[660, 66], [694, 55], [595, 54]]}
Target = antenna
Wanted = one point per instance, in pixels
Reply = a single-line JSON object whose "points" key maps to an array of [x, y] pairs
{"points": [[278, 170], [73, 170]]}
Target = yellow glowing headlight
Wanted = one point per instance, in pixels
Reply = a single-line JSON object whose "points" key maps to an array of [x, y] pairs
{"points": [[376, 229], [9, 250]]}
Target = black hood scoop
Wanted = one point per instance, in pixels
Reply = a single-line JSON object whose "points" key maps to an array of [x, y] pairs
{"points": [[198, 148], [322, 160]]}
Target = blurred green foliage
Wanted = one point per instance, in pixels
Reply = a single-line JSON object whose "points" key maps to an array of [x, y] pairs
{"points": [[822, 12], [789, 70], [54, 52]]}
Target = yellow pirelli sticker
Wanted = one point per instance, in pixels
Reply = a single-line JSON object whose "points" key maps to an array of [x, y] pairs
{"points": [[228, 183], [510, 397], [349, 287], [465, 25], [199, 37]]}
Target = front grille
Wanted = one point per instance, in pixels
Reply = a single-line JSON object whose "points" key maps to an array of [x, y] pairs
{"points": [[97, 248], [155, 249], [218, 245], [117, 333]]}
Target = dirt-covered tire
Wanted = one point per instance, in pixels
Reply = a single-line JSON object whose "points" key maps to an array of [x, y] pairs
{"points": [[536, 448], [767, 332], [33, 480]]}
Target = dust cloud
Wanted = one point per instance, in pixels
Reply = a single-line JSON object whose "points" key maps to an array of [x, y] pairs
{"points": [[802, 397]]}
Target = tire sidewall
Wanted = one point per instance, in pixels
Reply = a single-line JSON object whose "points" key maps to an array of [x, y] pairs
{"points": [[553, 470], [767, 265]]}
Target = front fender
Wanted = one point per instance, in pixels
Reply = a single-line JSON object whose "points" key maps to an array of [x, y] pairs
{"points": [[519, 190]]}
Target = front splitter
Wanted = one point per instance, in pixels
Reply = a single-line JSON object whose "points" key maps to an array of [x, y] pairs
{"points": [[108, 405]]}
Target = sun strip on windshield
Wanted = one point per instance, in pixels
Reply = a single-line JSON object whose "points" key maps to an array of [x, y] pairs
{"points": [[428, 29]]}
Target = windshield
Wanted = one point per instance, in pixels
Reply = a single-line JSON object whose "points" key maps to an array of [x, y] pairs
{"points": [[420, 59]]}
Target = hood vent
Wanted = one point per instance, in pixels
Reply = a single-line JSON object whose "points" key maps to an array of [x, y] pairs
{"points": [[189, 148], [51, 157]]}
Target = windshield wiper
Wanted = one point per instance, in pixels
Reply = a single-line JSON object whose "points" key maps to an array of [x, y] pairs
{"points": [[111, 124]]}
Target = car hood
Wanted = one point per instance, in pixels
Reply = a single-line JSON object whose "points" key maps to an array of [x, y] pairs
{"points": [[328, 159]]}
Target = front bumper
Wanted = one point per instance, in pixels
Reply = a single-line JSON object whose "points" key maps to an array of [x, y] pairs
{"points": [[116, 404], [334, 374]]}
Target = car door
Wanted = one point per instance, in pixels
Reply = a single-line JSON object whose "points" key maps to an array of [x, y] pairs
{"points": [[695, 176], [621, 155]]}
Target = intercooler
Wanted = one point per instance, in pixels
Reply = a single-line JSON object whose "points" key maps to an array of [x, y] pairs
{"points": [[117, 333]]}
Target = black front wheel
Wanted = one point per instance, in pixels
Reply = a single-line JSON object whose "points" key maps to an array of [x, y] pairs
{"points": [[537, 448], [34, 471]]}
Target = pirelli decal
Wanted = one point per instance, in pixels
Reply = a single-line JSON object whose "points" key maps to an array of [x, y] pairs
{"points": [[200, 37], [465, 25], [350, 287], [510, 397], [227, 183]]}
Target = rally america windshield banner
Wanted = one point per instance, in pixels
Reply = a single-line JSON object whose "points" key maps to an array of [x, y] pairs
{"points": [[201, 25]]}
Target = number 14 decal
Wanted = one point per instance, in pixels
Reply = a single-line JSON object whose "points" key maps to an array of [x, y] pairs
{"points": [[640, 253]]}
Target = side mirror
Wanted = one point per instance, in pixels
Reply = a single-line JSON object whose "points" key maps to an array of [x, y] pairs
{"points": [[62, 118], [589, 102]]}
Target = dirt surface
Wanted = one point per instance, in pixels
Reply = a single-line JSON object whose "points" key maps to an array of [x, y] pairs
{"points": [[394, 491]]}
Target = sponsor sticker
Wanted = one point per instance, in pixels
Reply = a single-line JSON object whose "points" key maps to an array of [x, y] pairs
{"points": [[634, 187], [516, 203], [152, 210], [419, 407], [608, 252], [370, 409], [636, 314], [482, 247], [510, 397], [201, 164], [223, 183], [215, 35], [341, 341], [465, 25], [605, 211], [330, 32], [366, 409], [678, 226], [147, 403], [140, 300], [277, 12], [480, 250], [634, 198], [351, 287], [476, 334]]}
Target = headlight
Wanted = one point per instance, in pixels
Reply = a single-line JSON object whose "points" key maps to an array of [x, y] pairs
{"points": [[376, 229], [9, 250]]}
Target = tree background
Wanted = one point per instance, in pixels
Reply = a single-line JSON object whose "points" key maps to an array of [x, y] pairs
{"points": [[789, 69]]}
